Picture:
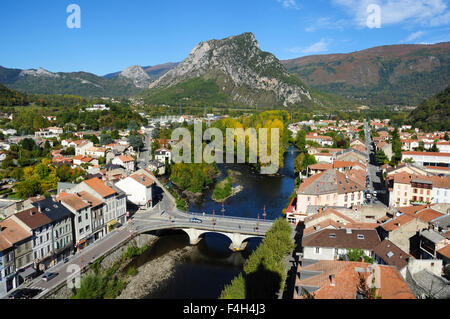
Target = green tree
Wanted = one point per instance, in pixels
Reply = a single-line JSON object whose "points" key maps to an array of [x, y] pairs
{"points": [[303, 160], [136, 141], [381, 157], [434, 148], [29, 187]]}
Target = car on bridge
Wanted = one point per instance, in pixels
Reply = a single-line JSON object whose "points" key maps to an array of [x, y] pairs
{"points": [[196, 220], [49, 276]]}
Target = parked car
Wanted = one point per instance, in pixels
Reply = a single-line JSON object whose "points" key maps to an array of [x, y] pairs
{"points": [[24, 293], [49, 276], [196, 220]]}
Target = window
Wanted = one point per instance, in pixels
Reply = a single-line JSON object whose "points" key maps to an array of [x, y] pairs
{"points": [[79, 219], [360, 236], [332, 235], [317, 250]]}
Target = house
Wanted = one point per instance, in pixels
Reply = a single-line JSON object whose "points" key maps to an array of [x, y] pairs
{"points": [[16, 254], [423, 276], [49, 132], [320, 139], [332, 244], [431, 242], [80, 159], [333, 279], [97, 107], [82, 146], [96, 152], [351, 155], [125, 161], [409, 145], [139, 189], [162, 155], [156, 167], [387, 253], [403, 230], [331, 218], [9, 132], [324, 157], [67, 143]]}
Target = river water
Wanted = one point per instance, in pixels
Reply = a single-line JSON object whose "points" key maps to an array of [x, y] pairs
{"points": [[208, 267]]}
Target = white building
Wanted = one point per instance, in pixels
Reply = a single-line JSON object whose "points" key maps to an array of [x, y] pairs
{"points": [[428, 158], [49, 132], [82, 146], [163, 154], [125, 161], [139, 189], [96, 151]]}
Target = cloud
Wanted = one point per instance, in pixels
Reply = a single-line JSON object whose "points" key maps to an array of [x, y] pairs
{"points": [[414, 36], [289, 4], [408, 12], [318, 47], [327, 23]]}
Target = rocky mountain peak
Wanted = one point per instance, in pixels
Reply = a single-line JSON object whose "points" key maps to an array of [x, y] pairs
{"points": [[237, 62], [137, 74]]}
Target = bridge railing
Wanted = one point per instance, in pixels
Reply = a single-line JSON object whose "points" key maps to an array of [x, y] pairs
{"points": [[219, 216]]}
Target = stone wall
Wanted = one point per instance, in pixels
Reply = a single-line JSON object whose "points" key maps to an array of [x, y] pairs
{"points": [[63, 292]]}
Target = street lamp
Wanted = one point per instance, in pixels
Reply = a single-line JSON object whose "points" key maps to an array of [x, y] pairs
{"points": [[264, 213], [257, 224]]}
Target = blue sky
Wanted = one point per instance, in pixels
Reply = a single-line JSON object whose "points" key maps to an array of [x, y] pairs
{"points": [[118, 34]]}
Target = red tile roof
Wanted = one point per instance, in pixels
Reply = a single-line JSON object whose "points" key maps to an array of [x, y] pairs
{"points": [[12, 232], [100, 187]]}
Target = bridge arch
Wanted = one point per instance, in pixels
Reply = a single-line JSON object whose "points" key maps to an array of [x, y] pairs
{"points": [[238, 241]]}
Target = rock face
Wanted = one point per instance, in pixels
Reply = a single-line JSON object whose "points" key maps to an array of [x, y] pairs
{"points": [[137, 75], [244, 72], [39, 72]]}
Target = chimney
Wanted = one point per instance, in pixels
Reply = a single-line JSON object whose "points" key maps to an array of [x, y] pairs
{"points": [[332, 280]]}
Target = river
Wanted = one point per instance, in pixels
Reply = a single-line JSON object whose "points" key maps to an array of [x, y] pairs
{"points": [[205, 269]]}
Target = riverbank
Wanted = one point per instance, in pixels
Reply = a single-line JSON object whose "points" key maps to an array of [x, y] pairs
{"points": [[152, 274]]}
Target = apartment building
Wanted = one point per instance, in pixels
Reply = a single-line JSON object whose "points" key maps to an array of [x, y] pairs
{"points": [[114, 208], [61, 221], [330, 188], [36, 222]]}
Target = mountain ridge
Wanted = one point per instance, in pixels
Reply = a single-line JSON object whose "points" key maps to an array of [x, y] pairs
{"points": [[390, 74]]}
